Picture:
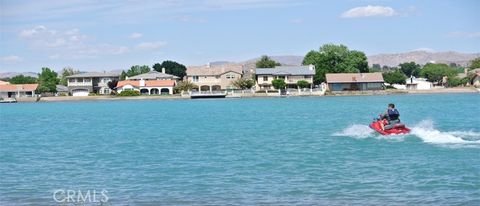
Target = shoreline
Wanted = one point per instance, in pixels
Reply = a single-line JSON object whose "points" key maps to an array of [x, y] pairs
{"points": [[262, 95]]}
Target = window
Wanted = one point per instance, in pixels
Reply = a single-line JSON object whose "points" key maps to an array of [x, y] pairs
{"points": [[306, 77], [195, 78], [230, 76], [86, 80], [265, 78], [71, 80]]}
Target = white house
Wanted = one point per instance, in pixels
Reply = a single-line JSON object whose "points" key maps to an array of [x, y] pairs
{"points": [[414, 83], [147, 87]]}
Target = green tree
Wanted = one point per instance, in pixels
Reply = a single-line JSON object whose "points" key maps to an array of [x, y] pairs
{"points": [[243, 83], [184, 86], [278, 83], [410, 69], [67, 71], [455, 81], [375, 68], [331, 58], [134, 70], [20, 79], [112, 85], [47, 81], [302, 84], [394, 77], [475, 63], [266, 62], [171, 67], [436, 72]]}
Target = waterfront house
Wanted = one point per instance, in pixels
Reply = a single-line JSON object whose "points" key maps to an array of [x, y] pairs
{"points": [[476, 78], [91, 82], [154, 75], [354, 81], [17, 90], [291, 75], [414, 83], [214, 78], [147, 87]]}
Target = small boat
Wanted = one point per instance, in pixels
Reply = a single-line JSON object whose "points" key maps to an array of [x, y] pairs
{"points": [[8, 100], [398, 128]]}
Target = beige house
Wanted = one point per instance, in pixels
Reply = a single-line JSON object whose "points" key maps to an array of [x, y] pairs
{"points": [[291, 75], [355, 81], [214, 78], [476, 78]]}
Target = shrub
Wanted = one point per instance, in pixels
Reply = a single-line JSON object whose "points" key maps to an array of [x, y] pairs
{"points": [[455, 81], [302, 84], [128, 93]]}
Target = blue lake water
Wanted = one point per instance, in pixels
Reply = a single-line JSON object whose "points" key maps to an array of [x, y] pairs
{"points": [[277, 151]]}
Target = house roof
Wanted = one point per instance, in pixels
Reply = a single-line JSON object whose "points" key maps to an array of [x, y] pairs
{"points": [[287, 70], [4, 82], [354, 77], [61, 88], [148, 83], [153, 75], [18, 87], [213, 70], [95, 74]]}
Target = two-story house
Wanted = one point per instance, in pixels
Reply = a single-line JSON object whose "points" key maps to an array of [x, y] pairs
{"points": [[214, 78], [290, 74], [91, 82]]}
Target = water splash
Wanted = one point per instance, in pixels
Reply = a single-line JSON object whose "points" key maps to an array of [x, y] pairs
{"points": [[359, 131], [427, 132]]}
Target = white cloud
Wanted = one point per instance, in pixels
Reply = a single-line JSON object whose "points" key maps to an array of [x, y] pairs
{"points": [[135, 35], [54, 56], [369, 11], [151, 45], [11, 58], [67, 44], [461, 34], [186, 18], [296, 21]]}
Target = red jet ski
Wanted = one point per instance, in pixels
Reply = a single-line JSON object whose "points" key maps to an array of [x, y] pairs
{"points": [[396, 129]]}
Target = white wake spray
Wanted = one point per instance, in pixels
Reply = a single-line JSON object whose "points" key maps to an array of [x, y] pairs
{"points": [[426, 131], [359, 131]]}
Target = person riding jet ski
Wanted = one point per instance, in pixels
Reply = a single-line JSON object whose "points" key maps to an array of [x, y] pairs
{"points": [[390, 117]]}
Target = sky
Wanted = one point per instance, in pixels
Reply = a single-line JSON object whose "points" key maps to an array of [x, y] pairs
{"points": [[91, 35]]}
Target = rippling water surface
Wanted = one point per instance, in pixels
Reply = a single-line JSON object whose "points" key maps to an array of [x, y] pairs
{"points": [[243, 151]]}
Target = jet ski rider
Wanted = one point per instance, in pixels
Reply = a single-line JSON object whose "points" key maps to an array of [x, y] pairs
{"points": [[390, 117]]}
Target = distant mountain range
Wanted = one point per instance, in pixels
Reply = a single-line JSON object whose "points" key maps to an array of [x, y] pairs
{"points": [[6, 75], [420, 57]]}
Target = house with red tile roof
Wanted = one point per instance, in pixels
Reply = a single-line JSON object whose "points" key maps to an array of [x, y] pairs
{"points": [[17, 90], [354, 81], [147, 87]]}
